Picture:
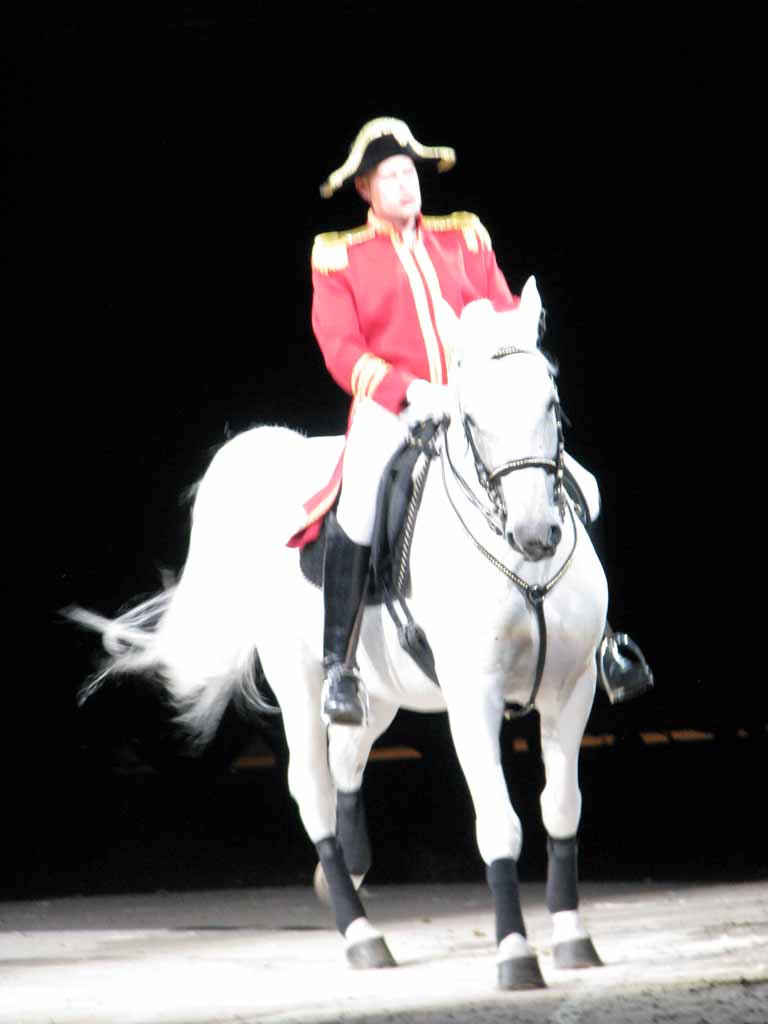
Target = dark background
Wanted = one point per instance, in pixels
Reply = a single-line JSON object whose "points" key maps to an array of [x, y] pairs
{"points": [[163, 182]]}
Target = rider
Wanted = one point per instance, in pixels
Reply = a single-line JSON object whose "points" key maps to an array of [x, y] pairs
{"points": [[379, 293]]}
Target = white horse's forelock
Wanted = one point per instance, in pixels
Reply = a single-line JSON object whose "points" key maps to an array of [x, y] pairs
{"points": [[483, 331]]}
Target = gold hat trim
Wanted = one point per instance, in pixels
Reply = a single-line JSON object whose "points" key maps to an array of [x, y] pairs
{"points": [[376, 129]]}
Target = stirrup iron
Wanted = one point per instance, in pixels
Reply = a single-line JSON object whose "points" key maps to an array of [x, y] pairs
{"points": [[343, 700], [624, 672]]}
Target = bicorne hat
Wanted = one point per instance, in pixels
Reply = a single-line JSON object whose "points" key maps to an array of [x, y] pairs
{"points": [[376, 141]]}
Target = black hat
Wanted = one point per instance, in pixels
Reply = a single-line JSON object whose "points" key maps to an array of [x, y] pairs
{"points": [[376, 141]]}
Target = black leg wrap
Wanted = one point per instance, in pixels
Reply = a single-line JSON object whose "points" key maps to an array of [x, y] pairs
{"points": [[345, 901], [562, 874], [502, 879], [352, 832]]}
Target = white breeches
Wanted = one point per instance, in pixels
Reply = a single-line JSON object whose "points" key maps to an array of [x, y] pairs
{"points": [[374, 436]]}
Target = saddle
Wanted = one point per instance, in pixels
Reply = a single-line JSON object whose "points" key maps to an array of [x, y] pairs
{"points": [[397, 505]]}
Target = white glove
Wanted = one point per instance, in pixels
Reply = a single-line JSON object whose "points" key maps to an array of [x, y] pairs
{"points": [[427, 401]]}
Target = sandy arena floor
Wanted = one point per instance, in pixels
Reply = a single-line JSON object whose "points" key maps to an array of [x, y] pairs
{"points": [[687, 954]]}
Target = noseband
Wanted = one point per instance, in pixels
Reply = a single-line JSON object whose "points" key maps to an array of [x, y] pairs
{"points": [[490, 478]]}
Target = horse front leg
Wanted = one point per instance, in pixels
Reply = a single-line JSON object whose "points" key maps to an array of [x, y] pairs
{"points": [[352, 835], [312, 787], [344, 858], [475, 728], [561, 733]]}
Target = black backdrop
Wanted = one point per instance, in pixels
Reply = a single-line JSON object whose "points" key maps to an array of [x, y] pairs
{"points": [[164, 173]]}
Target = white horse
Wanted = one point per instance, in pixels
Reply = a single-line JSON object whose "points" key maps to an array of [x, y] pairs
{"points": [[504, 583]]}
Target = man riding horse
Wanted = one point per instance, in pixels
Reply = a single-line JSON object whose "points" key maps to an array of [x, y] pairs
{"points": [[384, 296]]}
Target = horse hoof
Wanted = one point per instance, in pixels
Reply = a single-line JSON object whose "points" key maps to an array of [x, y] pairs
{"points": [[576, 954], [370, 953], [520, 972]]}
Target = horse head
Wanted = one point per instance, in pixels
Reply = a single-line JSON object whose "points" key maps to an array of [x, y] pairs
{"points": [[509, 412]]}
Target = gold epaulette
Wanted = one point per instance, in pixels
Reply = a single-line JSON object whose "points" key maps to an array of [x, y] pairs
{"points": [[470, 225], [330, 253]]}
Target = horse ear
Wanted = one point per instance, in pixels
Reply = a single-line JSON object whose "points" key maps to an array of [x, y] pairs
{"points": [[530, 300], [472, 328], [530, 310]]}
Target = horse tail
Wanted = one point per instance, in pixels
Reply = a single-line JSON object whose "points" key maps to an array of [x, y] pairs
{"points": [[200, 667], [199, 635], [128, 639]]}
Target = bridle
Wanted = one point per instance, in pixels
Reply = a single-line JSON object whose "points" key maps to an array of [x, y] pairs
{"points": [[496, 517], [490, 479]]}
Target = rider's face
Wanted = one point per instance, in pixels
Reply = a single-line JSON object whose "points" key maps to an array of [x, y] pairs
{"points": [[393, 191]]}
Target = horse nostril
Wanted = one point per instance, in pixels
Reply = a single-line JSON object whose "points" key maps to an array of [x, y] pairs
{"points": [[555, 535]]}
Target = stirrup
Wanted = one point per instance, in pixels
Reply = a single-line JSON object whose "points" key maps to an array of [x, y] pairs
{"points": [[624, 672], [341, 700]]}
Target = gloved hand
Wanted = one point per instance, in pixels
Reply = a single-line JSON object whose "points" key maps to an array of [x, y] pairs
{"points": [[427, 401]]}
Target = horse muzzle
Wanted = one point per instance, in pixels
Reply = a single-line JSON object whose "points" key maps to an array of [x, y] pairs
{"points": [[536, 546]]}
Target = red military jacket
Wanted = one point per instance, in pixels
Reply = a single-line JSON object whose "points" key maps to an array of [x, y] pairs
{"points": [[376, 311]]}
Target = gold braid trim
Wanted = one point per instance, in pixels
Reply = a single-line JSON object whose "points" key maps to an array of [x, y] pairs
{"points": [[375, 129], [329, 251], [475, 235], [419, 292], [367, 373]]}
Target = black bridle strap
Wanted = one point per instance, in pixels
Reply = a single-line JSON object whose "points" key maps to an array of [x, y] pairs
{"points": [[535, 597]]}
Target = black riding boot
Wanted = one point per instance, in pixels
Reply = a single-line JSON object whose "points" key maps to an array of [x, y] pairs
{"points": [[621, 667], [345, 578]]}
